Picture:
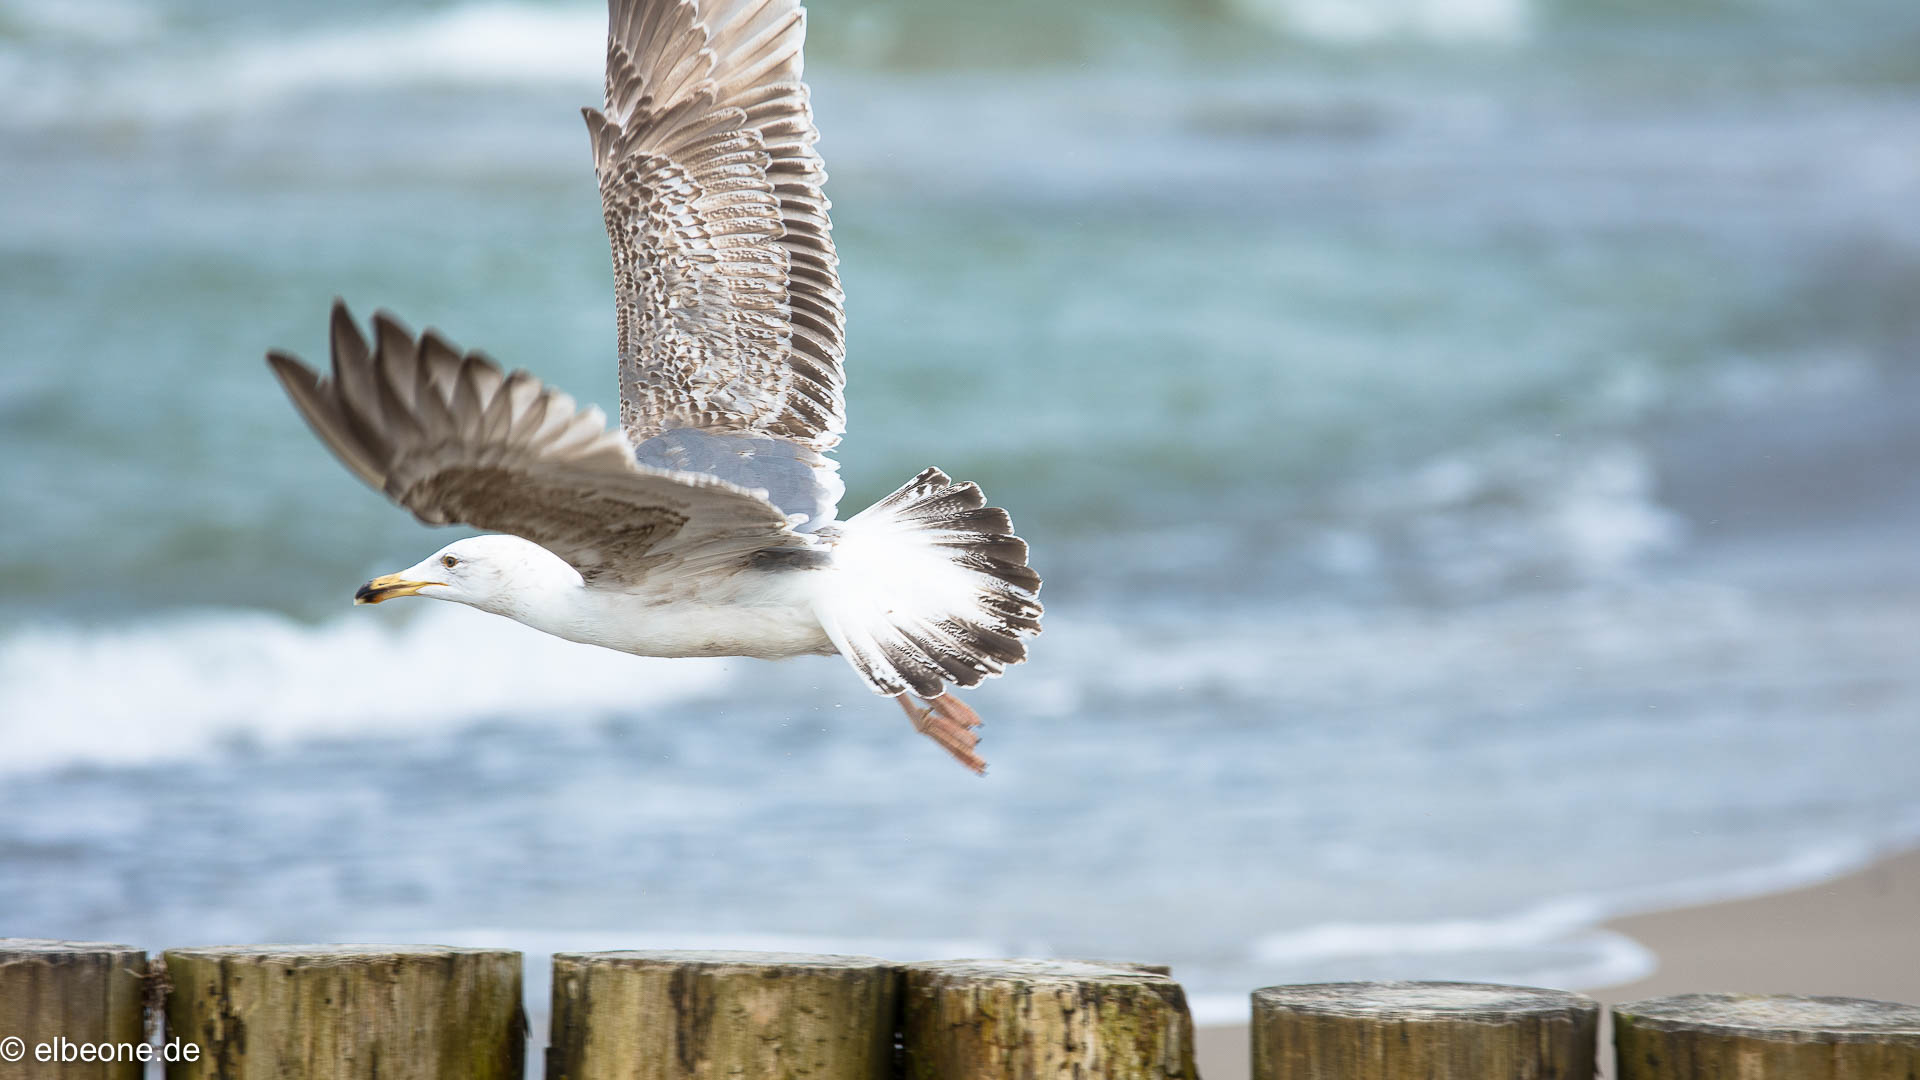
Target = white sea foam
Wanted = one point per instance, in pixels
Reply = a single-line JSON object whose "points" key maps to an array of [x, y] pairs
{"points": [[1539, 925], [1350, 22], [178, 686], [482, 44], [1556, 943], [1517, 511]]}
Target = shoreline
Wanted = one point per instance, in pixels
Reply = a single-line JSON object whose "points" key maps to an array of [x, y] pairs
{"points": [[1856, 935]]}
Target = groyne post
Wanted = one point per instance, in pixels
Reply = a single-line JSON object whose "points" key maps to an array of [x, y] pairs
{"points": [[83, 992], [332, 1012], [1028, 1019], [1765, 1037], [681, 1015], [1422, 1031]]}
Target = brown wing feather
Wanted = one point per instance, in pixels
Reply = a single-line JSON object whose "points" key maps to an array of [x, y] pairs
{"points": [[725, 278], [454, 439]]}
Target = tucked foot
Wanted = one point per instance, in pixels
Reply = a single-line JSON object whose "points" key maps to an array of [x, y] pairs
{"points": [[948, 722]]}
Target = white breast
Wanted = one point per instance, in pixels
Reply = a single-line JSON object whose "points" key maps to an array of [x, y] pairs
{"points": [[763, 615]]}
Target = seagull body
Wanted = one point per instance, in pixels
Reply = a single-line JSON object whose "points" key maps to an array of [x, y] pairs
{"points": [[707, 523], [766, 615]]}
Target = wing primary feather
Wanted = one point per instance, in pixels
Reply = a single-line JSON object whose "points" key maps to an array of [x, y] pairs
{"points": [[496, 422], [466, 403], [351, 374], [310, 396]]}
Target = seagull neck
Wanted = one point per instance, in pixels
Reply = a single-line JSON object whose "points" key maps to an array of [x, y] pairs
{"points": [[560, 608], [544, 593]]}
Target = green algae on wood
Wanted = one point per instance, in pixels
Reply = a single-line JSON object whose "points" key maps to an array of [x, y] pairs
{"points": [[347, 1012]]}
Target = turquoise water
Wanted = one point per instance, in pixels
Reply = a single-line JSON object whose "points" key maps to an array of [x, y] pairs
{"points": [[1470, 445]]}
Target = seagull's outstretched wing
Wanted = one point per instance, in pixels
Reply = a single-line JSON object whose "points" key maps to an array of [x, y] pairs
{"points": [[725, 279], [454, 439]]}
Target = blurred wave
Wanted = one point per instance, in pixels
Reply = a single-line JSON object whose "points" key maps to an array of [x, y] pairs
{"points": [[188, 685], [106, 62], [142, 73], [1356, 21]]}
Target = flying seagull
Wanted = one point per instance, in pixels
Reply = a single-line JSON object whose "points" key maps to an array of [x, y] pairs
{"points": [[706, 525]]}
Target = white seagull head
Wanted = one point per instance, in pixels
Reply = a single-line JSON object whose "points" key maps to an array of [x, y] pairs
{"points": [[492, 573]]}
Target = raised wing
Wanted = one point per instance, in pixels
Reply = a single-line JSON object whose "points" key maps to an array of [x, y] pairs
{"points": [[728, 297], [454, 439]]}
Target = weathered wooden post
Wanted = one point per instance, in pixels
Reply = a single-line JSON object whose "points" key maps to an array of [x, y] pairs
{"points": [[1027, 1019], [321, 1012], [84, 992], [690, 1014], [1742, 1037], [1423, 1030]]}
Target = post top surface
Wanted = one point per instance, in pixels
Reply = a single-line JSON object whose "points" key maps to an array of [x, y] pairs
{"points": [[1416, 1000], [1778, 1015], [720, 958], [334, 952], [54, 945], [1041, 971]]}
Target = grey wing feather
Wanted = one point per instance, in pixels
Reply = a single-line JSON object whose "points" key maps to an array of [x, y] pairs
{"points": [[452, 438], [726, 283]]}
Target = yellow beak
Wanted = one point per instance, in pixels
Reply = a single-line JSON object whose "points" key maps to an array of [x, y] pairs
{"points": [[388, 587]]}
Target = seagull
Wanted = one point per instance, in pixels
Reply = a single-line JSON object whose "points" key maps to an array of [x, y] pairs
{"points": [[707, 523]]}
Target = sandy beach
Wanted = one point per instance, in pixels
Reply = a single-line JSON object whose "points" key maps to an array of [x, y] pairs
{"points": [[1855, 936]]}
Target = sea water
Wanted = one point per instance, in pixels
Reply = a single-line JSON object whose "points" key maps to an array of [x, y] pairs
{"points": [[1473, 448]]}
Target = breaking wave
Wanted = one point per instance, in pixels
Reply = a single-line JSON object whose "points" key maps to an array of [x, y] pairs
{"points": [[176, 687]]}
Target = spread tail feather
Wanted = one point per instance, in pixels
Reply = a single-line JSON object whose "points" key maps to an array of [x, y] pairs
{"points": [[930, 587]]}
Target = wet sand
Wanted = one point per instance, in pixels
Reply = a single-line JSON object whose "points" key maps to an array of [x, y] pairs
{"points": [[1855, 936]]}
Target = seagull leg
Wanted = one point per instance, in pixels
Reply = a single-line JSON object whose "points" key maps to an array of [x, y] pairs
{"points": [[948, 722]]}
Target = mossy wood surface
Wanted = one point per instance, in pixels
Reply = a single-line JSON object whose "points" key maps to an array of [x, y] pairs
{"points": [[692, 1015], [1032, 1019], [334, 1012], [1752, 1037], [1422, 1031], [83, 991]]}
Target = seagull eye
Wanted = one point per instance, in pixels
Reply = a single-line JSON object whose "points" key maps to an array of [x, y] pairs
{"points": [[449, 561]]}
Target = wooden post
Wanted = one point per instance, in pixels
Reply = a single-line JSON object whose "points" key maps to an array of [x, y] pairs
{"points": [[1729, 1036], [1027, 1019], [82, 991], [1423, 1030], [321, 1012], [690, 1014]]}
